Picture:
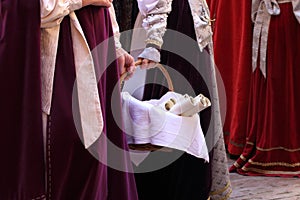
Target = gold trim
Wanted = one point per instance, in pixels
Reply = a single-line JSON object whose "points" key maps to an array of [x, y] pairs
{"points": [[269, 171], [278, 148], [228, 193], [236, 165], [149, 41], [251, 143], [284, 1], [236, 144], [269, 164], [221, 190], [243, 157]]}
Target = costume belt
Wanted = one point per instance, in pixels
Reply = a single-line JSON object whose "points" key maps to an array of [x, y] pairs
{"points": [[91, 120], [262, 18]]}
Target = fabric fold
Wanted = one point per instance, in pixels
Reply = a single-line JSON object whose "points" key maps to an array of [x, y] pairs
{"points": [[91, 119], [149, 122], [261, 16], [88, 96]]}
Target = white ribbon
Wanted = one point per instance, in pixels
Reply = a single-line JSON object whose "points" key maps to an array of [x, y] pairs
{"points": [[91, 118], [88, 96], [262, 18]]}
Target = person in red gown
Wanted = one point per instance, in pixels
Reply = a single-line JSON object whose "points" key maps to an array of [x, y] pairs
{"points": [[232, 48], [273, 137]]}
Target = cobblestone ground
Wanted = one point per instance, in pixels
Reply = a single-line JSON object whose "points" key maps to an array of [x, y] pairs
{"points": [[265, 188]]}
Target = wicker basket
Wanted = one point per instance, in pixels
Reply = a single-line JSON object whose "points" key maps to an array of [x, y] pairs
{"points": [[148, 146]]}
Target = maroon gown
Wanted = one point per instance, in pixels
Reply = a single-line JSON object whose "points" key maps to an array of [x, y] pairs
{"points": [[72, 171], [21, 145], [273, 134], [232, 48]]}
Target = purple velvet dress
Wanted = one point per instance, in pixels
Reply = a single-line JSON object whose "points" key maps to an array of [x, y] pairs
{"points": [[21, 145], [72, 171]]}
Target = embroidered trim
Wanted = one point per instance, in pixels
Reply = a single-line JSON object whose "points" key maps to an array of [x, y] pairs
{"points": [[221, 190], [251, 143], [243, 157], [236, 144], [277, 148], [236, 165], [269, 164], [154, 46], [157, 43], [227, 195], [261, 171]]}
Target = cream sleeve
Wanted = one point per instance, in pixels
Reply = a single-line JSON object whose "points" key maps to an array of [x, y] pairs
{"points": [[296, 7], [155, 13], [53, 11]]}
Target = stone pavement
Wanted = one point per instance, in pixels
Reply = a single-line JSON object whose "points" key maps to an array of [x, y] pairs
{"points": [[264, 188]]}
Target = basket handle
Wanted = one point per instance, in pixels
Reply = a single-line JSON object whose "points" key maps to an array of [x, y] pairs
{"points": [[159, 66]]}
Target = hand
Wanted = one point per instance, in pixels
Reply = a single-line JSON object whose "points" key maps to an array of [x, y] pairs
{"points": [[126, 63], [106, 3], [146, 64]]}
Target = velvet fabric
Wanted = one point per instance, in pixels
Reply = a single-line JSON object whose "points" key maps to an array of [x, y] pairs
{"points": [[21, 146], [273, 147], [187, 177], [232, 48], [72, 171], [126, 12]]}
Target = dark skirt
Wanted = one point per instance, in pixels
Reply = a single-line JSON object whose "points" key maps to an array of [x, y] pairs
{"points": [[72, 171], [21, 145], [187, 177]]}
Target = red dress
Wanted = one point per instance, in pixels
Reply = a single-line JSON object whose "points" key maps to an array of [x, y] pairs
{"points": [[273, 133], [232, 48]]}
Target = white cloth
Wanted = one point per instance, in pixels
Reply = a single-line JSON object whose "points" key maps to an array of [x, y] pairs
{"points": [[52, 13], [188, 106], [149, 122]]}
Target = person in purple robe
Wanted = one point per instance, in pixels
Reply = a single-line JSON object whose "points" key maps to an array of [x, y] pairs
{"points": [[21, 145], [58, 116]]}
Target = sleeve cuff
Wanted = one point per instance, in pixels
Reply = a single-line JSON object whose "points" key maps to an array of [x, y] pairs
{"points": [[150, 53]]}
